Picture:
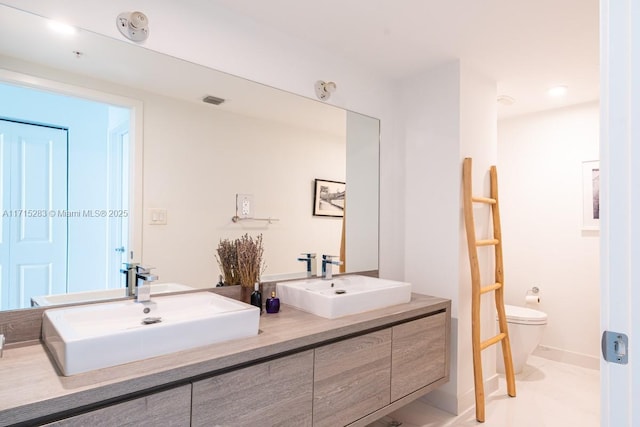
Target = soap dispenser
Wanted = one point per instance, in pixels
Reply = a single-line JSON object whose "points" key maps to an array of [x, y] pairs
{"points": [[273, 303], [256, 297]]}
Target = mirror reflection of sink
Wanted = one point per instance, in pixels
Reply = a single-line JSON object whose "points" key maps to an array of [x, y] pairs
{"points": [[88, 337], [104, 294], [343, 295]]}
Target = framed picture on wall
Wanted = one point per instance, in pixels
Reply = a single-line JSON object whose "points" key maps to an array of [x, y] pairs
{"points": [[591, 195], [328, 199]]}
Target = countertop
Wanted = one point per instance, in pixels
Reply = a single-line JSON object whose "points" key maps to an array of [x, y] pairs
{"points": [[31, 386]]}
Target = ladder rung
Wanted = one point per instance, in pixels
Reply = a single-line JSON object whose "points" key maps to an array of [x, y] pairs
{"points": [[490, 288], [487, 242], [484, 200], [491, 341]]}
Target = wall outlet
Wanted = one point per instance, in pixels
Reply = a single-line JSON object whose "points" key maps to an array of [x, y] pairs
{"points": [[244, 205]]}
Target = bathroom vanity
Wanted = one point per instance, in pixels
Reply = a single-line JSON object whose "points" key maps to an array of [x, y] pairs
{"points": [[300, 370]]}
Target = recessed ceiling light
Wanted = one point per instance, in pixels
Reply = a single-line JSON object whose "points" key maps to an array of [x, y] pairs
{"points": [[61, 28], [558, 91]]}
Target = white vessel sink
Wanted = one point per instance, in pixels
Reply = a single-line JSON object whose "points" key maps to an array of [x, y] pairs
{"points": [[97, 336], [104, 294], [343, 295]]}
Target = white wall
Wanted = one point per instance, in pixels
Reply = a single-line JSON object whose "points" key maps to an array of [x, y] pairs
{"points": [[195, 161], [449, 113], [540, 170]]}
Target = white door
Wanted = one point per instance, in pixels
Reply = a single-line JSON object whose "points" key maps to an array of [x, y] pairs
{"points": [[620, 205], [34, 229], [118, 206]]}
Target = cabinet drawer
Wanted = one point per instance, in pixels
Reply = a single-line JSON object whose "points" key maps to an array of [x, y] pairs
{"points": [[274, 393], [166, 408], [351, 378], [418, 355]]}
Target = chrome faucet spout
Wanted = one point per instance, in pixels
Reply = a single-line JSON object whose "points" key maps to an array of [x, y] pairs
{"points": [[310, 260], [129, 270], [327, 262], [143, 283]]}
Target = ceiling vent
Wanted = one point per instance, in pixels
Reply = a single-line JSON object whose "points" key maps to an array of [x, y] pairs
{"points": [[212, 100]]}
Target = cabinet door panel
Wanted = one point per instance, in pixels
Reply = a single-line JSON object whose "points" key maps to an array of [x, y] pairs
{"points": [[274, 393], [418, 355], [351, 378], [166, 408]]}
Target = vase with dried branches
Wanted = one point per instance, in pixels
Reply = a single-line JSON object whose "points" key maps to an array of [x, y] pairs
{"points": [[241, 262]]}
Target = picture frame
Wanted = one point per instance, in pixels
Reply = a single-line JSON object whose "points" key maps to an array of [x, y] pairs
{"points": [[591, 195], [328, 198]]}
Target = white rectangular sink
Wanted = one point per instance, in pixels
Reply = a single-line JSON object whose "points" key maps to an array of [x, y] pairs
{"points": [[343, 295], [88, 337], [103, 294]]}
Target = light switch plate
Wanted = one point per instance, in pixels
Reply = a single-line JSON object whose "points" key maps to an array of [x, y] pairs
{"points": [[244, 205], [157, 216]]}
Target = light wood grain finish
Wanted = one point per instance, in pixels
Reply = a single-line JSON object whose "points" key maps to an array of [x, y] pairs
{"points": [[32, 387], [351, 378], [477, 289], [275, 393], [418, 354], [21, 325], [167, 408]]}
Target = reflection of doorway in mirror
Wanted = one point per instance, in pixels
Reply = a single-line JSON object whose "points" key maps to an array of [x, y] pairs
{"points": [[34, 189], [118, 203], [75, 188]]}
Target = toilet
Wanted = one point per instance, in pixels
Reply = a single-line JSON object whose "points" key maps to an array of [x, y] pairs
{"points": [[526, 327]]}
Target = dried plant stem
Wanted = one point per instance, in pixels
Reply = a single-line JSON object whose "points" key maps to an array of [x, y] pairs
{"points": [[227, 258], [250, 264], [241, 260]]}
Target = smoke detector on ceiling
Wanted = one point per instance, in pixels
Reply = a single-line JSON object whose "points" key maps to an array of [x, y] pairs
{"points": [[506, 100], [324, 89], [133, 25]]}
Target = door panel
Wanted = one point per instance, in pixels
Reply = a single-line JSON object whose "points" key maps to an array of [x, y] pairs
{"points": [[35, 198]]}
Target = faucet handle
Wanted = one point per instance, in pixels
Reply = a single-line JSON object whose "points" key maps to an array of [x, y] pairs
{"points": [[310, 255], [143, 270]]}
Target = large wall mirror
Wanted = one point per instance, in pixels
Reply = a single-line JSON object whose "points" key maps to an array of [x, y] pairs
{"points": [[110, 155]]}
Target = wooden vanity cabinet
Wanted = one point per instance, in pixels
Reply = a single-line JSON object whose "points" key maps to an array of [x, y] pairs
{"points": [[418, 354], [348, 379], [274, 393], [165, 408], [351, 378]]}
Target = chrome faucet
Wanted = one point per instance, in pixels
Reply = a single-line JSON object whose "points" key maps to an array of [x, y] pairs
{"points": [[327, 262], [143, 283], [1, 344], [129, 270], [310, 259]]}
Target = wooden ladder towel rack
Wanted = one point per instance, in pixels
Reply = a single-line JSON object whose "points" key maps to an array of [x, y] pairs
{"points": [[477, 289]]}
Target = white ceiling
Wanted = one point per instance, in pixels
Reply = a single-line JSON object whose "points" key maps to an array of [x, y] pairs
{"points": [[527, 46]]}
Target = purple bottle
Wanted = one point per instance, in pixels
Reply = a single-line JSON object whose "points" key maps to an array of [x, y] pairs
{"points": [[273, 304]]}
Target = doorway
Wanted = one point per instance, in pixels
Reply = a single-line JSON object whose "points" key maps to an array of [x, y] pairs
{"points": [[65, 194]]}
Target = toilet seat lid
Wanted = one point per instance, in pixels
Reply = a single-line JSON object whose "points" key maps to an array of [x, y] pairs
{"points": [[525, 316]]}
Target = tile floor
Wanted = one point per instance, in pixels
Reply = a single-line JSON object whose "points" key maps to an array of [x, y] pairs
{"points": [[550, 394]]}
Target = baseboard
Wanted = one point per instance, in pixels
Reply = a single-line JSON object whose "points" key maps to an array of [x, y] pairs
{"points": [[457, 405], [565, 356]]}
